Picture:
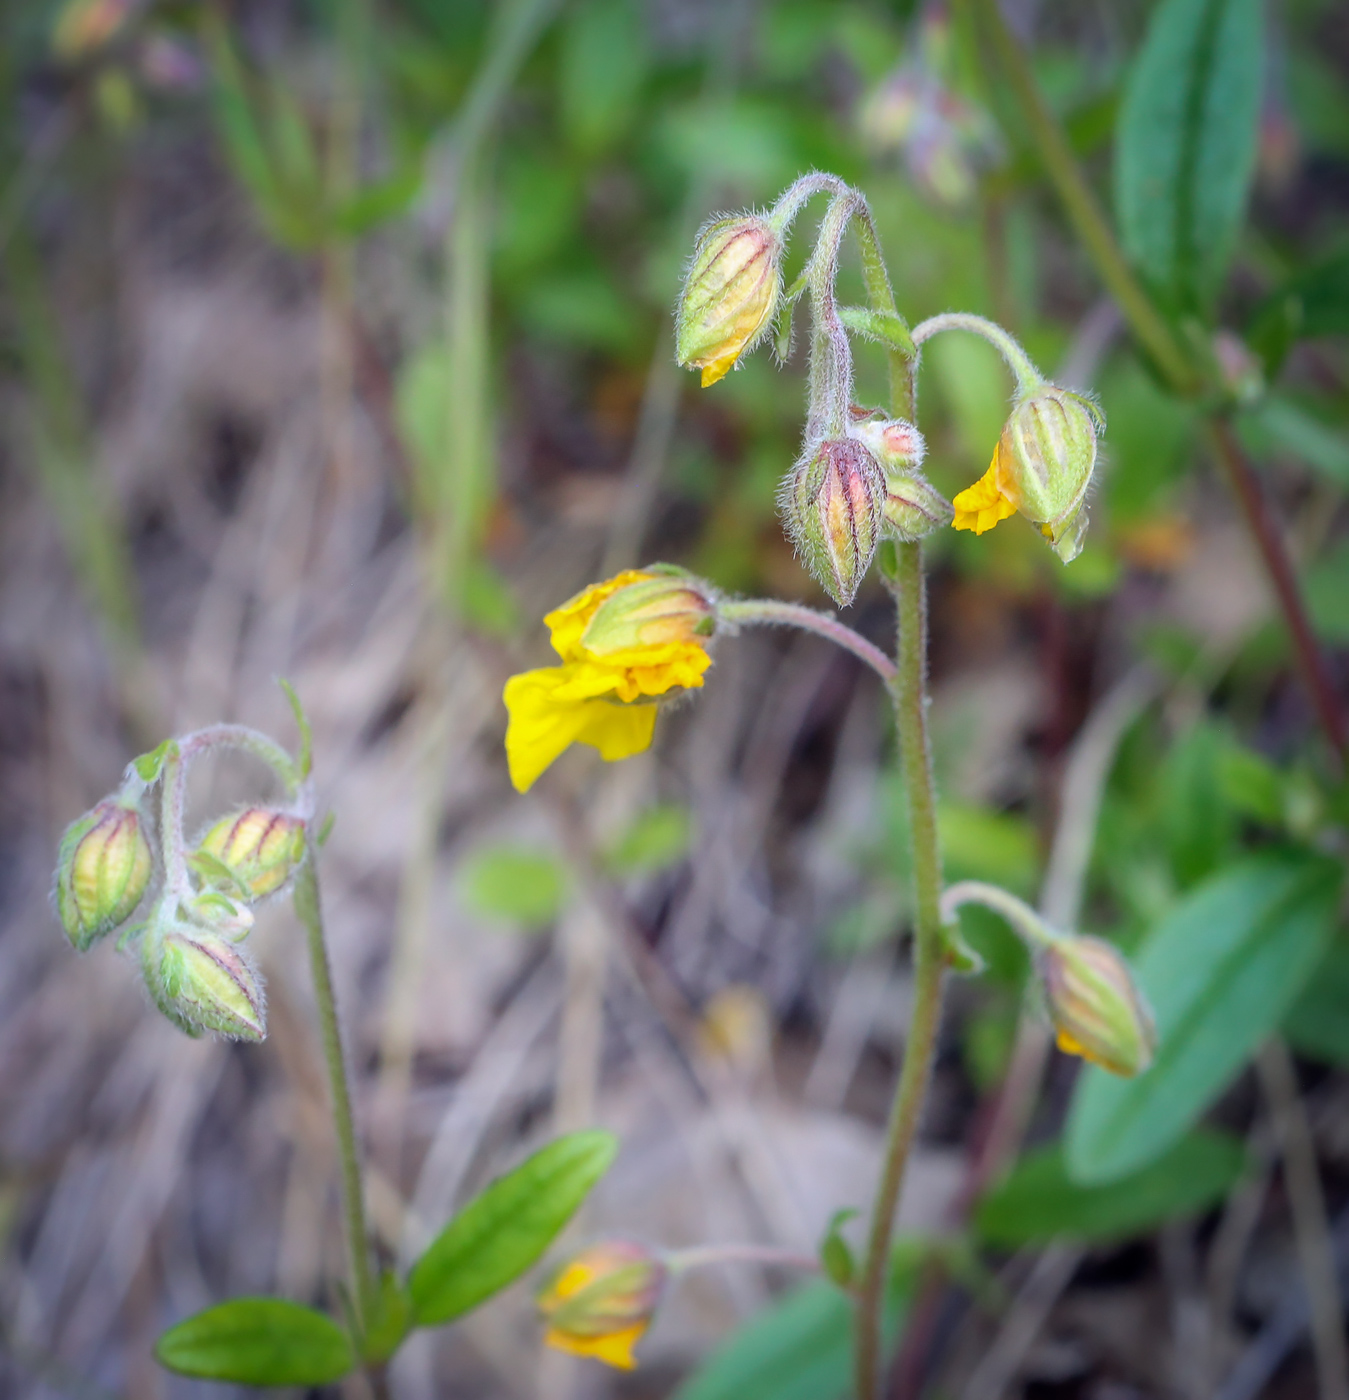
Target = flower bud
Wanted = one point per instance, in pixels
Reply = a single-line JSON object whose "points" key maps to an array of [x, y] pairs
{"points": [[914, 507], [203, 983], [894, 442], [1041, 467], [601, 1301], [260, 847], [1097, 1008], [102, 871], [730, 294], [670, 606], [833, 502], [220, 914]]}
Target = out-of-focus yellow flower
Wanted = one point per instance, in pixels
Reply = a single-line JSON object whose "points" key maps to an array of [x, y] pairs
{"points": [[624, 643], [600, 1302]]}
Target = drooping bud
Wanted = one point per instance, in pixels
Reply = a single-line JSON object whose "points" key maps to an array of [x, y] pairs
{"points": [[1097, 1008], [202, 983], [221, 914], [261, 848], [833, 504], [102, 871], [730, 294], [601, 1301], [1041, 467], [894, 442], [670, 606], [914, 507]]}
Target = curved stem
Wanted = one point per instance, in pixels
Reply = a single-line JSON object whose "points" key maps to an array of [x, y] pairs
{"points": [[253, 741], [310, 911], [769, 612], [1025, 922], [1028, 377], [910, 693]]}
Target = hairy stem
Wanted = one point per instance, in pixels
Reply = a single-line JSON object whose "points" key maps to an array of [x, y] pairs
{"points": [[1025, 922], [310, 911], [1020, 363], [910, 696], [770, 612]]}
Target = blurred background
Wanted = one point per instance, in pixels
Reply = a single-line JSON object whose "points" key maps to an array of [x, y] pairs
{"points": [[335, 345]]}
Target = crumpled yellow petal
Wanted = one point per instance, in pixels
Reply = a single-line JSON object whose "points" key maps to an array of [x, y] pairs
{"points": [[614, 1349], [553, 707], [1069, 1046], [568, 622], [981, 506]]}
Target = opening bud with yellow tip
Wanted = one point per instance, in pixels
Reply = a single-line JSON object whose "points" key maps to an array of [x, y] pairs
{"points": [[102, 872], [670, 606], [260, 847], [833, 503], [1097, 1008], [201, 982], [600, 1301], [730, 294], [1041, 468]]}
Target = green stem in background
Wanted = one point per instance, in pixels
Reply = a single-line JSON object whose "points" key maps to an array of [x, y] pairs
{"points": [[1153, 333], [910, 696], [679, 1261], [1028, 377], [1084, 213], [770, 612], [310, 911]]}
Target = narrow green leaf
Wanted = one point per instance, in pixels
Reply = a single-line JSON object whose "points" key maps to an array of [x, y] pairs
{"points": [[149, 765], [1039, 1202], [1310, 303], [1186, 145], [258, 1341], [506, 1229], [1220, 971], [388, 1321], [836, 1254], [304, 761], [1317, 1024]]}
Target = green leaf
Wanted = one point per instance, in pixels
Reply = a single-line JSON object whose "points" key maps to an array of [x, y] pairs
{"points": [[798, 1348], [1186, 145], [1311, 303], [214, 871], [1317, 1024], [524, 886], [601, 66], [388, 1321], [505, 1230], [149, 765], [836, 1254], [1039, 1202], [258, 1341], [656, 840], [1281, 426], [305, 760], [1220, 971]]}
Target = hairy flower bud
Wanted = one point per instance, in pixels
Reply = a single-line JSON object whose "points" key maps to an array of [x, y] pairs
{"points": [[670, 606], [601, 1301], [202, 983], [833, 504], [1041, 467], [1097, 1009], [102, 871], [221, 914], [894, 442], [730, 294], [914, 507], [260, 847]]}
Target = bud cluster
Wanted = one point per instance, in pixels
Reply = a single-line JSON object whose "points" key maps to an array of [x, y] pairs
{"points": [[189, 945]]}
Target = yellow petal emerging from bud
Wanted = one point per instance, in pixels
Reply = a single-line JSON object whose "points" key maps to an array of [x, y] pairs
{"points": [[730, 294], [833, 504], [601, 1301], [624, 643], [1097, 1009], [1041, 467], [260, 847], [101, 873], [203, 983]]}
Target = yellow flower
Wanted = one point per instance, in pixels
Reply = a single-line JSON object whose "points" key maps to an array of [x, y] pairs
{"points": [[1041, 467], [623, 643], [601, 1302]]}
